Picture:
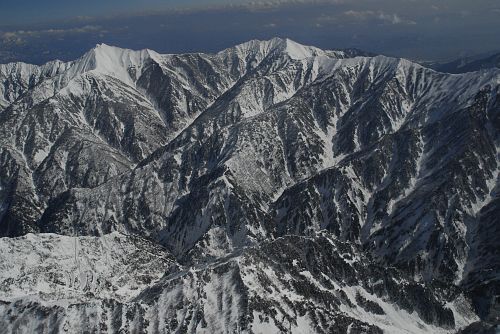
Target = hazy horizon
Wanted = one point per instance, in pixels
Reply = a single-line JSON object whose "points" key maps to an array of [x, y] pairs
{"points": [[420, 30]]}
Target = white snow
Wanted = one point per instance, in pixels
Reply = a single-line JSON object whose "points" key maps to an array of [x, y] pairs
{"points": [[53, 267]]}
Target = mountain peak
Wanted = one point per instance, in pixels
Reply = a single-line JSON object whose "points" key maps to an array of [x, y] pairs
{"points": [[299, 51], [102, 45], [281, 45], [115, 61]]}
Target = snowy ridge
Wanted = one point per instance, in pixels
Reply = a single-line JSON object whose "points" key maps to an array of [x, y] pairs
{"points": [[293, 49], [125, 65], [19, 77]]}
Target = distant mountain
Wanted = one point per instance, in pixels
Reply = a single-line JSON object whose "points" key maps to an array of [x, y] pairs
{"points": [[271, 187], [468, 64]]}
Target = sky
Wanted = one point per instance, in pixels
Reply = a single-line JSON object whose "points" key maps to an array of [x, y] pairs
{"points": [[37, 31], [29, 11]]}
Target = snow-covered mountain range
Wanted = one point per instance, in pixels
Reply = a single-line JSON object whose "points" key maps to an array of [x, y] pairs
{"points": [[268, 188]]}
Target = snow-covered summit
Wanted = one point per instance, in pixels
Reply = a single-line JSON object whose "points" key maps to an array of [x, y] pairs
{"points": [[279, 45], [123, 64]]}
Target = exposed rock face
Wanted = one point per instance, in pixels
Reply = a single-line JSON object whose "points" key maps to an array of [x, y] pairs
{"points": [[273, 181]]}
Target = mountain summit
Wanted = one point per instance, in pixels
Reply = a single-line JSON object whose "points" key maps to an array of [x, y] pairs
{"points": [[268, 188]]}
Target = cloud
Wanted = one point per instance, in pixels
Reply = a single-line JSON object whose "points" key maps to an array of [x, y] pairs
{"points": [[19, 37], [382, 16], [256, 5], [278, 3], [327, 19], [394, 19], [270, 25], [360, 15]]}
